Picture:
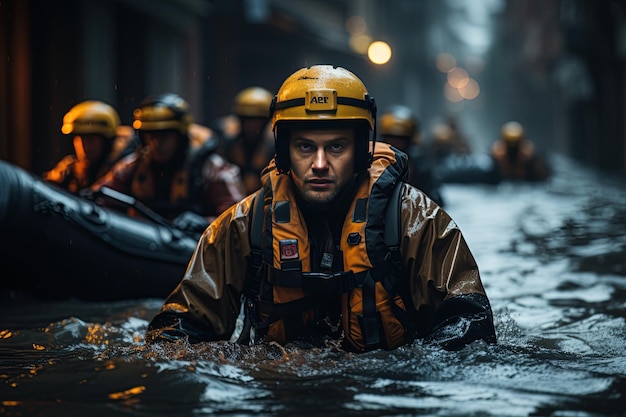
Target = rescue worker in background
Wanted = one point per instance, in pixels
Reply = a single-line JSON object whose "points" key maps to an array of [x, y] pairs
{"points": [[176, 174], [516, 156], [399, 127], [247, 139], [447, 140], [99, 141], [309, 251]]}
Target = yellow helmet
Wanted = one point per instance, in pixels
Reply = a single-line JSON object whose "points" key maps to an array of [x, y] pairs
{"points": [[91, 117], [512, 132], [398, 121], [253, 102], [442, 133], [163, 112], [323, 93]]}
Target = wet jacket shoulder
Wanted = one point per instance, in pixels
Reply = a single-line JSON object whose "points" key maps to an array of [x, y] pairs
{"points": [[205, 304]]}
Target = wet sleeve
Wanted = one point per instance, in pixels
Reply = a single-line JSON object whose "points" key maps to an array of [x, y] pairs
{"points": [[444, 279], [206, 303]]}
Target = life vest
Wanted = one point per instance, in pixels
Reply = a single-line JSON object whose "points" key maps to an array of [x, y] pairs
{"points": [[73, 174], [144, 188], [186, 181], [519, 168], [365, 277]]}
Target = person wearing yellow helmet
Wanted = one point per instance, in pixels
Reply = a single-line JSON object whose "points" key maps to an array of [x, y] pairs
{"points": [[334, 249], [99, 141], [176, 171], [447, 140], [246, 138], [400, 128], [516, 156]]}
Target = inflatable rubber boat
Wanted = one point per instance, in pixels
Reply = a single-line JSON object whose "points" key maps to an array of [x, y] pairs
{"points": [[56, 244]]}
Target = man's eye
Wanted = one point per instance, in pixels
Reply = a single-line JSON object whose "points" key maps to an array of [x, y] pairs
{"points": [[305, 147], [336, 147]]}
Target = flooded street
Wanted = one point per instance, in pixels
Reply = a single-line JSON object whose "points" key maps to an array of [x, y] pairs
{"points": [[552, 258]]}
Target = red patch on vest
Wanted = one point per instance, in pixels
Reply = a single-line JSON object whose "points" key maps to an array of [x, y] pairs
{"points": [[289, 249]]}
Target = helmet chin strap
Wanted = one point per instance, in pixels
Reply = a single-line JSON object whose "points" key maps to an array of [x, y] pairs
{"points": [[374, 111]]}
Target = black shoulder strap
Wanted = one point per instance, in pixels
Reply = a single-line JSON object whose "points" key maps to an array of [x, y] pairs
{"points": [[392, 233], [253, 280], [253, 273], [369, 318], [392, 217], [256, 228]]}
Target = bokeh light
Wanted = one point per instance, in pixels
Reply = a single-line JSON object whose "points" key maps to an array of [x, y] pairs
{"points": [[451, 93], [445, 62], [379, 52], [470, 91], [458, 77]]}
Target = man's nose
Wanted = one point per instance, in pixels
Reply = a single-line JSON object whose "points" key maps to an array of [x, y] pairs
{"points": [[320, 161]]}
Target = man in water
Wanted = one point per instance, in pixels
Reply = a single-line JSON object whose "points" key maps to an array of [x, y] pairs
{"points": [[312, 255]]}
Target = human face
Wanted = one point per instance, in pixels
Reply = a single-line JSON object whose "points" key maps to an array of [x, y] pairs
{"points": [[89, 146], [251, 127], [322, 163], [162, 144]]}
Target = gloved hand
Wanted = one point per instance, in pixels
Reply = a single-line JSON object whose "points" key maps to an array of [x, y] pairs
{"points": [[462, 319], [189, 221], [170, 327], [452, 336]]}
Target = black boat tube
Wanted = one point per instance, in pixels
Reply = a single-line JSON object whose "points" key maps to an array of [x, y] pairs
{"points": [[56, 244]]}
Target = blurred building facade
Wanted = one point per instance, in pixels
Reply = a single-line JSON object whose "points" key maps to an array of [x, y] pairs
{"points": [[557, 66]]}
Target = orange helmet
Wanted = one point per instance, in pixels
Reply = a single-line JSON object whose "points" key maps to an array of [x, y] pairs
{"points": [[512, 132], [253, 102], [398, 121], [163, 112], [323, 93], [91, 117]]}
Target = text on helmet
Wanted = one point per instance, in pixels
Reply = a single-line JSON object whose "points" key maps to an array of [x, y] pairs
{"points": [[321, 100]]}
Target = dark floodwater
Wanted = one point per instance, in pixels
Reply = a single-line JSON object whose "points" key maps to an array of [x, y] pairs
{"points": [[553, 260]]}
